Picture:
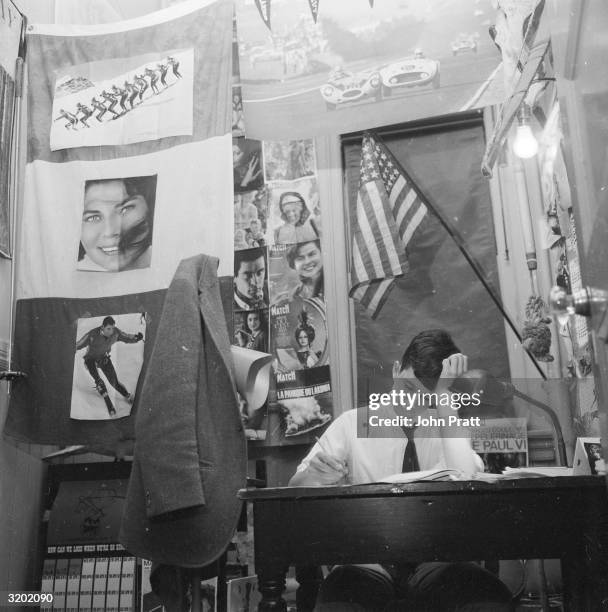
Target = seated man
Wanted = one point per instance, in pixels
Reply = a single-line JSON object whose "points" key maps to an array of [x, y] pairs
{"points": [[429, 364]]}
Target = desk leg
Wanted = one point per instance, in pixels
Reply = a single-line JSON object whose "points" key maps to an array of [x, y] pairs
{"points": [[309, 578], [272, 585], [585, 584]]}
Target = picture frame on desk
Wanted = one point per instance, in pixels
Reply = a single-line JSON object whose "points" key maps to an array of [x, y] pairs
{"points": [[588, 457]]}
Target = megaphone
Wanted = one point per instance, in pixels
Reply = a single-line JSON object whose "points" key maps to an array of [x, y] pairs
{"points": [[252, 375]]}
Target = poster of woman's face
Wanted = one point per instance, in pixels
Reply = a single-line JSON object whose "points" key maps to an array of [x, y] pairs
{"points": [[299, 336], [251, 329], [294, 211], [296, 271], [247, 164], [117, 224]]}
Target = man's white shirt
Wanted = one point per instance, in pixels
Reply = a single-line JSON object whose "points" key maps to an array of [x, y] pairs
{"points": [[370, 459]]}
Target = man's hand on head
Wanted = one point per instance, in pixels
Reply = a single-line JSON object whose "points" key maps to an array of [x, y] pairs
{"points": [[453, 367]]}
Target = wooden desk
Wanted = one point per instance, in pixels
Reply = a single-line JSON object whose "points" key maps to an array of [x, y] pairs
{"points": [[563, 517]]}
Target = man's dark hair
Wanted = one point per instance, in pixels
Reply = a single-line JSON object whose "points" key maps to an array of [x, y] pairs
{"points": [[108, 321], [246, 256], [425, 355]]}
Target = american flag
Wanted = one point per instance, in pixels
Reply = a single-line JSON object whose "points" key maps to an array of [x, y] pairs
{"points": [[389, 210]]}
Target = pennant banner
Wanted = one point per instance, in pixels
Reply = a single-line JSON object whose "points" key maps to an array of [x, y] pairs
{"points": [[314, 8], [264, 9], [128, 173]]}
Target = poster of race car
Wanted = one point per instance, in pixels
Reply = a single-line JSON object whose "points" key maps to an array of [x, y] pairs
{"points": [[360, 66], [101, 103]]}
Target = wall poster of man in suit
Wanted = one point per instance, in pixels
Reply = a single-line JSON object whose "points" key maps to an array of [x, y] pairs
{"points": [[108, 358]]}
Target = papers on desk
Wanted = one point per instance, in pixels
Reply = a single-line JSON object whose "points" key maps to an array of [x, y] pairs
{"points": [[426, 476], [508, 474], [531, 472]]}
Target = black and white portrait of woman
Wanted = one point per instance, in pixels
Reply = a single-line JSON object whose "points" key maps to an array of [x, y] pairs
{"points": [[117, 224]]}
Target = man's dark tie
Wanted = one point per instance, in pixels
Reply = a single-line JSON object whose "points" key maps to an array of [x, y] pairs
{"points": [[410, 457]]}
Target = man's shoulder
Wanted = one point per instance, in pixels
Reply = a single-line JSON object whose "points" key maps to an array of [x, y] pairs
{"points": [[348, 417]]}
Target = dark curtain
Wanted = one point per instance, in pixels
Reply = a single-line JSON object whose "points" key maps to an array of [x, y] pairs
{"points": [[441, 289]]}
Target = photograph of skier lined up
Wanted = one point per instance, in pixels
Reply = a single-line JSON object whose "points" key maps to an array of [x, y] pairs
{"points": [[94, 104]]}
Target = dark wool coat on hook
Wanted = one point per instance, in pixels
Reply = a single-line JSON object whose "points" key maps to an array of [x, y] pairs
{"points": [[190, 449]]}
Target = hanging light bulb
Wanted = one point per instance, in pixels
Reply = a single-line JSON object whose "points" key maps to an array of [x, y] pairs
{"points": [[525, 144]]}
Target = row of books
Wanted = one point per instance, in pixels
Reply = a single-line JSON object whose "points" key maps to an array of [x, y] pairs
{"points": [[85, 567], [90, 583]]}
